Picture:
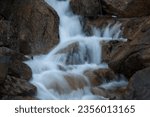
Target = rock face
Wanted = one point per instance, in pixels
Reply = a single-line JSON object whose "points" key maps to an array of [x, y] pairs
{"points": [[86, 7], [139, 86], [31, 26], [126, 8]]}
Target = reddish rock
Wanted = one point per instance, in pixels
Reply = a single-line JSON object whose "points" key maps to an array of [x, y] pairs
{"points": [[98, 76]]}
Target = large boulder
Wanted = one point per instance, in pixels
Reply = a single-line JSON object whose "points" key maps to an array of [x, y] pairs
{"points": [[90, 8], [139, 86], [132, 55], [33, 25], [126, 8]]}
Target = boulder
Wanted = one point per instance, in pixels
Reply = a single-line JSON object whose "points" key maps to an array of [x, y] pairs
{"points": [[139, 86], [20, 70], [131, 56], [33, 25], [17, 87], [126, 8], [90, 8], [98, 76]]}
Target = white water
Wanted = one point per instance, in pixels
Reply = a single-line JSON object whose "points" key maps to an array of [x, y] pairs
{"points": [[50, 71]]}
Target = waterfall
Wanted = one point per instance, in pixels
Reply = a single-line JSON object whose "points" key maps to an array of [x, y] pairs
{"points": [[59, 74]]}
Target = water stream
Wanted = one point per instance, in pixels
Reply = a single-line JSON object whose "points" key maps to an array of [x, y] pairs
{"points": [[60, 73]]}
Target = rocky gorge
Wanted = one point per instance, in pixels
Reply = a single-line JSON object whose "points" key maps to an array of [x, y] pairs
{"points": [[31, 27]]}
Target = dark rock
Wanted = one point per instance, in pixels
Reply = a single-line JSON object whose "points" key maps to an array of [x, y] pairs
{"points": [[34, 25], [18, 98], [90, 8], [20, 70], [4, 64], [12, 54], [16, 87], [126, 8], [139, 86]]}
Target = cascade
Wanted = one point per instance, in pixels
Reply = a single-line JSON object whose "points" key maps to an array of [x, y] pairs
{"points": [[60, 73]]}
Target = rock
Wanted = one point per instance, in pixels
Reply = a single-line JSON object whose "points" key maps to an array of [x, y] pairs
{"points": [[108, 48], [76, 81], [90, 8], [126, 8], [98, 76], [12, 54], [18, 98], [34, 24], [72, 54], [20, 70], [109, 94], [4, 64], [131, 56], [139, 86], [17, 87]]}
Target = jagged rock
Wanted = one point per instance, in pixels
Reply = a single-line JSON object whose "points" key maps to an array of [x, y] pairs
{"points": [[4, 64], [20, 70], [126, 8], [139, 86], [98, 76], [33, 25], [16, 87], [132, 56], [86, 7]]}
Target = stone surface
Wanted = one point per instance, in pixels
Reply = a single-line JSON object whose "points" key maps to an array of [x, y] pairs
{"points": [[139, 86], [98, 76], [17, 87], [20, 70], [126, 8], [86, 7], [33, 25]]}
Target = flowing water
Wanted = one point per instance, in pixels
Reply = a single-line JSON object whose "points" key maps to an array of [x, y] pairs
{"points": [[60, 73]]}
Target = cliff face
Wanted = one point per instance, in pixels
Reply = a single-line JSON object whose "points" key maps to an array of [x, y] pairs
{"points": [[129, 57], [27, 27]]}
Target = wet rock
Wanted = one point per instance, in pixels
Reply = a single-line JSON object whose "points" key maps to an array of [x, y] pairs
{"points": [[86, 7], [4, 64], [109, 94], [20, 70], [126, 8], [72, 54], [16, 87], [98, 76], [34, 25], [139, 86], [76, 81]]}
